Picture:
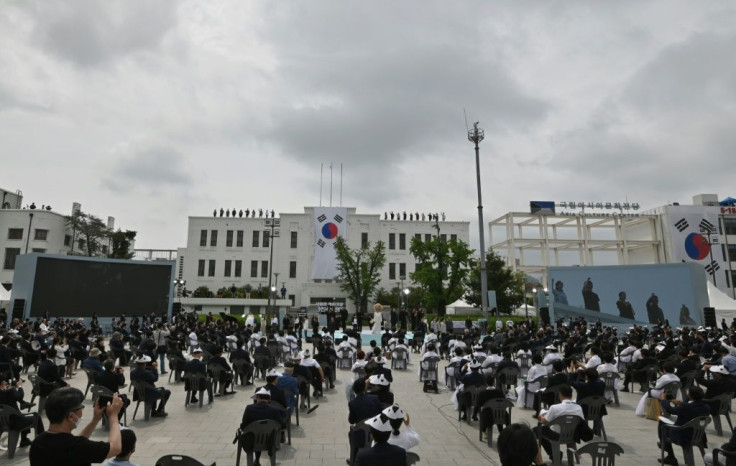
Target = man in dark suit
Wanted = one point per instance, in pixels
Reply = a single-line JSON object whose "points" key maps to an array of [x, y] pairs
{"points": [[364, 405], [490, 393], [685, 412], [277, 394], [241, 354], [49, 372], [150, 376], [637, 372], [684, 364], [382, 452], [721, 383], [112, 379], [12, 395], [258, 411], [226, 373], [196, 366]]}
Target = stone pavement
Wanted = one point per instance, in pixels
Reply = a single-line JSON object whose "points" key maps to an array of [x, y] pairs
{"points": [[207, 433]]}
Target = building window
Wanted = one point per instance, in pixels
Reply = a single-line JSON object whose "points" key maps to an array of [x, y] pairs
{"points": [[364, 240], [40, 250], [104, 249], [81, 244], [213, 238], [239, 239], [238, 268], [40, 235], [732, 252], [402, 270], [203, 238], [229, 239], [200, 268], [212, 265], [292, 269], [402, 241], [67, 240], [392, 271], [264, 269], [293, 239], [266, 239], [228, 267], [443, 238], [256, 238], [10, 255], [418, 236], [254, 269], [392, 240], [729, 224], [427, 237], [15, 233], [453, 237]]}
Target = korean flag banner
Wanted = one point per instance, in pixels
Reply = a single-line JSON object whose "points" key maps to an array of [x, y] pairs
{"points": [[329, 223]]}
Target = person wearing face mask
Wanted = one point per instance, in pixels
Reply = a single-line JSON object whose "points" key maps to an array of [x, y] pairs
{"points": [[65, 409]]}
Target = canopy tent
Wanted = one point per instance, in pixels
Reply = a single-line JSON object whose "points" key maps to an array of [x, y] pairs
{"points": [[729, 201], [460, 307], [725, 306]]}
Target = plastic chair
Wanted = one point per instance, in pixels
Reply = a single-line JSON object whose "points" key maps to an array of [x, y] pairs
{"points": [[197, 383], [687, 380], [262, 363], [344, 359], [672, 389], [13, 435], [451, 372], [725, 453], [610, 379], [506, 376], [542, 380], [91, 374], [650, 375], [593, 407], [360, 437], [37, 382], [491, 369], [287, 413], [98, 391], [265, 435], [567, 425], [399, 359], [216, 382], [697, 426], [500, 408], [179, 460], [724, 408], [140, 390], [303, 381], [240, 370], [411, 458], [429, 374], [525, 363], [474, 391], [601, 453]]}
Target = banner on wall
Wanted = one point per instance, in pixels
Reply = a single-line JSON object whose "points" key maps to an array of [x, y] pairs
{"points": [[329, 223]]}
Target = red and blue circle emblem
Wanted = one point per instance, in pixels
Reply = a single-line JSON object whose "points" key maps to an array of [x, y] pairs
{"points": [[697, 246], [329, 230]]}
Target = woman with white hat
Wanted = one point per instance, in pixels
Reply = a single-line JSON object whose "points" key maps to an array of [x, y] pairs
{"points": [[405, 438]]}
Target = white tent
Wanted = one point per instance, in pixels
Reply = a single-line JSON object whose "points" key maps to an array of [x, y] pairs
{"points": [[725, 306], [460, 307]]}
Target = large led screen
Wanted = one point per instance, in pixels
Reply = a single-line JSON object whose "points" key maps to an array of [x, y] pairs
{"points": [[636, 294], [79, 288]]}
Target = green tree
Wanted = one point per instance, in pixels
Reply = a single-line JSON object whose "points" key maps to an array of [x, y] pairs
{"points": [[441, 271], [90, 230], [203, 292], [359, 270], [121, 241], [500, 279]]}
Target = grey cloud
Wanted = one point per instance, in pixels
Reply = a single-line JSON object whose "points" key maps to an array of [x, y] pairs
{"points": [[154, 168], [94, 33]]}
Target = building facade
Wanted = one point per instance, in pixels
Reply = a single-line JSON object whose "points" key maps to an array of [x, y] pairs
{"points": [[226, 251], [704, 233]]}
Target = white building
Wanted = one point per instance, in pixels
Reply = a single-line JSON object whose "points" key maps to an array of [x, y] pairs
{"points": [[30, 228], [704, 232], [227, 251]]}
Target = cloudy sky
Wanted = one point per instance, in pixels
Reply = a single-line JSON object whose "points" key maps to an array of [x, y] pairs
{"points": [[153, 111]]}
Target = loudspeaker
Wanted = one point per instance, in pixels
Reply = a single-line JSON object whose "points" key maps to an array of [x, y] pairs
{"points": [[709, 313], [19, 305]]}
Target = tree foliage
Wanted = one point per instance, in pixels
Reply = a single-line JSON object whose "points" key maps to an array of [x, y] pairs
{"points": [[90, 229], [441, 271], [121, 241], [500, 278], [359, 270], [203, 292]]}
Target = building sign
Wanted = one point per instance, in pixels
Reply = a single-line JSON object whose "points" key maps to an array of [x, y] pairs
{"points": [[728, 210], [598, 205]]}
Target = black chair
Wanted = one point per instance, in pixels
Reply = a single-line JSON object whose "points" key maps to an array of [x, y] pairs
{"points": [[451, 375], [506, 377], [360, 438], [286, 412], [38, 383], [593, 409], [411, 458], [399, 358], [262, 363], [265, 435], [140, 389], [344, 359], [13, 435], [304, 386], [601, 453], [525, 363], [91, 374], [720, 451], [697, 427], [552, 395], [218, 373], [500, 413], [687, 380], [610, 379], [179, 460], [568, 425], [197, 383], [671, 389], [97, 392], [473, 391], [241, 370], [724, 408], [429, 373], [542, 380]]}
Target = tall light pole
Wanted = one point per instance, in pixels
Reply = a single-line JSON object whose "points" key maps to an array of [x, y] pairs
{"points": [[475, 136], [273, 223]]}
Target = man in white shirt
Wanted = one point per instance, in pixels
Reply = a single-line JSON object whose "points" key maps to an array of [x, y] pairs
{"points": [[566, 407], [552, 356], [494, 357], [308, 361], [536, 371], [595, 359], [193, 341], [668, 377]]}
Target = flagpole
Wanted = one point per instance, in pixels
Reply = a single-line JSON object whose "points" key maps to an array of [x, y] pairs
{"points": [[340, 185], [321, 167], [330, 184]]}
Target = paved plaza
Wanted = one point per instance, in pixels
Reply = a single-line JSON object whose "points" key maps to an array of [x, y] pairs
{"points": [[207, 433]]}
